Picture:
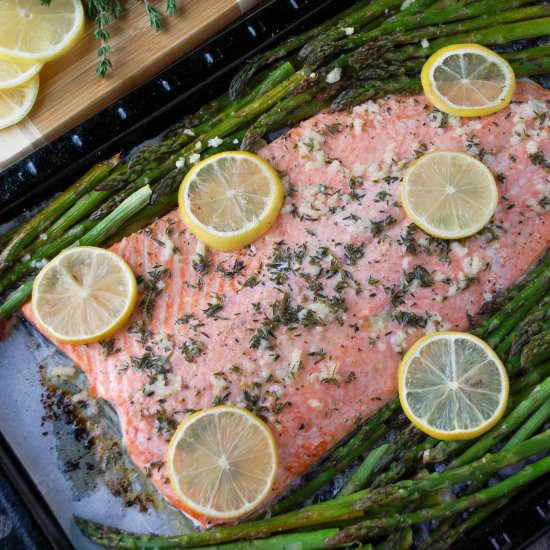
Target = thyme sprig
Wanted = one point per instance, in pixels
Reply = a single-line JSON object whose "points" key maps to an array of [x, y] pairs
{"points": [[103, 11]]}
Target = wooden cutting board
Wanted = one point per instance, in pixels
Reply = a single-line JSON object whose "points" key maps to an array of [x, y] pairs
{"points": [[70, 90]]}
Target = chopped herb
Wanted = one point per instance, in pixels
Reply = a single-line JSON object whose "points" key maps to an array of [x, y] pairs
{"points": [[251, 282], [409, 318], [407, 239], [108, 347], [350, 377], [202, 264], [215, 306], [538, 159], [421, 274], [191, 349], [220, 400], [153, 287], [378, 227], [184, 320], [373, 281], [263, 334], [321, 354], [279, 407], [337, 303], [139, 327], [396, 296], [164, 424], [354, 253], [238, 266]]}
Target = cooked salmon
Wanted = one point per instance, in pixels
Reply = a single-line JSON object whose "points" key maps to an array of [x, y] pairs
{"points": [[306, 327]]}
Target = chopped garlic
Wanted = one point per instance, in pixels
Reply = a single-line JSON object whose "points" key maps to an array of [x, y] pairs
{"points": [[180, 163], [334, 75], [189, 132], [349, 30], [194, 158], [424, 43], [215, 141]]}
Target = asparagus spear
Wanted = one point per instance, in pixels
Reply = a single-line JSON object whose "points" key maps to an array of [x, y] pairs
{"points": [[6, 237], [377, 526], [241, 80], [403, 22], [488, 37], [369, 433], [480, 470], [502, 299], [367, 469], [44, 254], [536, 351], [95, 236], [407, 462], [36, 225], [481, 22], [510, 423], [525, 300], [161, 151], [311, 516], [311, 540], [531, 378], [367, 14], [80, 210]]}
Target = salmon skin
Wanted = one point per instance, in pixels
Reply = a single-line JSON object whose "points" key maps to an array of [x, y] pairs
{"points": [[307, 326]]}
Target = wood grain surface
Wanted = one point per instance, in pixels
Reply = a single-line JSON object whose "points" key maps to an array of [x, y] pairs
{"points": [[70, 90]]}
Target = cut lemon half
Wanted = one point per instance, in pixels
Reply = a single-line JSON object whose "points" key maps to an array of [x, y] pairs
{"points": [[230, 199], [31, 31], [83, 295], [16, 73], [448, 194], [222, 462], [16, 103], [468, 80], [452, 385]]}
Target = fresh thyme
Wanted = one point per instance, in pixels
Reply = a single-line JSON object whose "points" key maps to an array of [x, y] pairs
{"points": [[409, 318], [215, 306], [191, 349], [354, 253], [153, 286], [108, 347], [238, 266], [101, 12], [376, 228]]}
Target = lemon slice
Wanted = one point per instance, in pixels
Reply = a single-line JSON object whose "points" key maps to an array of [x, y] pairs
{"points": [[230, 199], [468, 80], [448, 194], [16, 73], [16, 103], [83, 295], [30, 31], [222, 462], [452, 385]]}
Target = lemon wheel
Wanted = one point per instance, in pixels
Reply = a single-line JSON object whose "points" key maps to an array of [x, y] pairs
{"points": [[468, 80], [222, 462], [16, 103], [230, 199], [30, 31], [83, 295], [452, 385], [448, 194], [16, 73]]}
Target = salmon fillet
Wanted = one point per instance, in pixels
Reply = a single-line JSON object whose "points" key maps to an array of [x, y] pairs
{"points": [[306, 327]]}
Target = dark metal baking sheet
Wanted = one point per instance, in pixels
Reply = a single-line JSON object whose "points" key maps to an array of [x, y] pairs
{"points": [[31, 459]]}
